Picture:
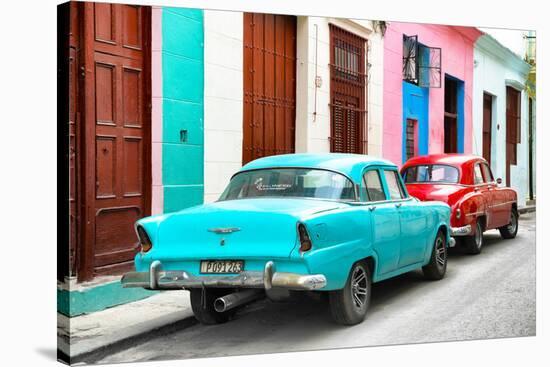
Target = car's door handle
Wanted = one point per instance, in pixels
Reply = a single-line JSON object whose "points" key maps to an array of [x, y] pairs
{"points": [[398, 205], [372, 208]]}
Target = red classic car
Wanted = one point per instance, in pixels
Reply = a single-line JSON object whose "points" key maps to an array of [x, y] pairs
{"points": [[466, 183]]}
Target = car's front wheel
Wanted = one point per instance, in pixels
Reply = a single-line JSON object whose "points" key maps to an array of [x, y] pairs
{"points": [[349, 305], [437, 266], [202, 304], [511, 229]]}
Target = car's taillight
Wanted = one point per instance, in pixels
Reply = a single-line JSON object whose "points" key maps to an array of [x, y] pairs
{"points": [[305, 241], [144, 239], [458, 213]]}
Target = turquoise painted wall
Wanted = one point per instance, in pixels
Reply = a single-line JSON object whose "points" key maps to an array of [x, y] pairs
{"points": [[183, 107]]}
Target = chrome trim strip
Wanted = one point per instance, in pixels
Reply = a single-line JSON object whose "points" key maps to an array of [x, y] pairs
{"points": [[501, 204], [476, 213]]}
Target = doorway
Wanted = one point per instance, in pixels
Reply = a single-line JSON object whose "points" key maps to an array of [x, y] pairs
{"points": [[487, 126], [451, 116], [269, 116], [110, 116]]}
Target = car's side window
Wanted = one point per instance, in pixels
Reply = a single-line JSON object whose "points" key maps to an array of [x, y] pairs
{"points": [[487, 174], [373, 186], [478, 176], [395, 189]]}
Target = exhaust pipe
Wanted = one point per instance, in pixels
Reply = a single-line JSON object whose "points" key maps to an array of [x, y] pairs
{"points": [[236, 299]]}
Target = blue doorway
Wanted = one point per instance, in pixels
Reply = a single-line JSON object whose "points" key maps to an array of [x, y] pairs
{"points": [[415, 120]]}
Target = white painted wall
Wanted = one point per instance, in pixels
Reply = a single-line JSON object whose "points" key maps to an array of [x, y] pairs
{"points": [[313, 54], [223, 99], [494, 68]]}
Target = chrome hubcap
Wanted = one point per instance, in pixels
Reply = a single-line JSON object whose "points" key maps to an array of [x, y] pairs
{"points": [[440, 253], [513, 223], [359, 284], [478, 236]]}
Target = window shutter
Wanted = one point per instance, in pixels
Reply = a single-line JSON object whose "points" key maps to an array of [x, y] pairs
{"points": [[429, 66]]}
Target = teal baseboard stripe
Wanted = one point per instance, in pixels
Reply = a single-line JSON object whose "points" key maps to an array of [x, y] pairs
{"points": [[100, 297]]}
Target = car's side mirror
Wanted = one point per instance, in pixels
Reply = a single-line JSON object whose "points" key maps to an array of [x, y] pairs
{"points": [[499, 181]]}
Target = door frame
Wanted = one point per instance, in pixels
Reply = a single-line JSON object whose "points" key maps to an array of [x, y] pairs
{"points": [[86, 141]]}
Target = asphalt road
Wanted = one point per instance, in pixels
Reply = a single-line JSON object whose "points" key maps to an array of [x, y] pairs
{"points": [[491, 295]]}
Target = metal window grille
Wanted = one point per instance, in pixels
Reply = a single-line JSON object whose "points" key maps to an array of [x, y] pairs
{"points": [[410, 138], [348, 93], [421, 64]]}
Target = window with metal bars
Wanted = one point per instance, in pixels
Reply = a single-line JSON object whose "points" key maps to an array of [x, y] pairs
{"points": [[411, 139], [421, 64], [348, 93]]}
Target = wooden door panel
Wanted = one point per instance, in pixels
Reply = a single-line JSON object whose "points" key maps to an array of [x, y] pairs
{"points": [[105, 80], [103, 21], [131, 26], [115, 237], [131, 92], [132, 173], [116, 134], [269, 85], [106, 167]]}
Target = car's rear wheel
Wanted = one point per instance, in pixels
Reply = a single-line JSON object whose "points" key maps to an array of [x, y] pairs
{"points": [[474, 243], [349, 305], [511, 229], [437, 266], [202, 304]]}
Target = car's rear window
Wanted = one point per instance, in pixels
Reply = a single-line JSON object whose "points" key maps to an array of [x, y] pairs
{"points": [[289, 182], [430, 173]]}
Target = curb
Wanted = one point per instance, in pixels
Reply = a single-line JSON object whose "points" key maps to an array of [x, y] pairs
{"points": [[527, 209], [99, 353]]}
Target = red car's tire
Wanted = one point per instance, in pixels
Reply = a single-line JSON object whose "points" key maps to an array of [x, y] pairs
{"points": [[474, 244], [511, 229]]}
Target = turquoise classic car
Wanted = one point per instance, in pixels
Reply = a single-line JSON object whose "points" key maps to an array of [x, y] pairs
{"points": [[330, 223]]}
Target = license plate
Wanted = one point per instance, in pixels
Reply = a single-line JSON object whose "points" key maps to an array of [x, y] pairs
{"points": [[222, 266]]}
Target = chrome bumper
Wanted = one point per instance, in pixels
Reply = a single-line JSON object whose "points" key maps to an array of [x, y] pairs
{"points": [[461, 231], [156, 278]]}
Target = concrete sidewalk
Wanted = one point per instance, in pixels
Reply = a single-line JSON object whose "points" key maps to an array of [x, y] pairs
{"points": [[95, 332]]}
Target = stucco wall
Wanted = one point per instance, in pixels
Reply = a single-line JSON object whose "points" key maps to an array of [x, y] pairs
{"points": [[456, 60], [182, 107], [223, 99], [313, 38], [493, 71]]}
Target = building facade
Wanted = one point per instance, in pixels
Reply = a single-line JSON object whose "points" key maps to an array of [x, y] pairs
{"points": [[501, 113], [428, 78], [165, 104]]}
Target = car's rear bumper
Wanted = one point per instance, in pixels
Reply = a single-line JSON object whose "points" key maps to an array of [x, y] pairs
{"points": [[461, 231], [156, 278]]}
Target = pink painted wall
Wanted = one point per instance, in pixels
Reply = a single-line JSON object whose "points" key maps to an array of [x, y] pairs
{"points": [[457, 49]]}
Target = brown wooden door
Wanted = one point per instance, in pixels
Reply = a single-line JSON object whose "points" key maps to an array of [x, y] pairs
{"points": [[116, 110], [347, 92], [513, 128], [487, 131], [269, 115]]}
